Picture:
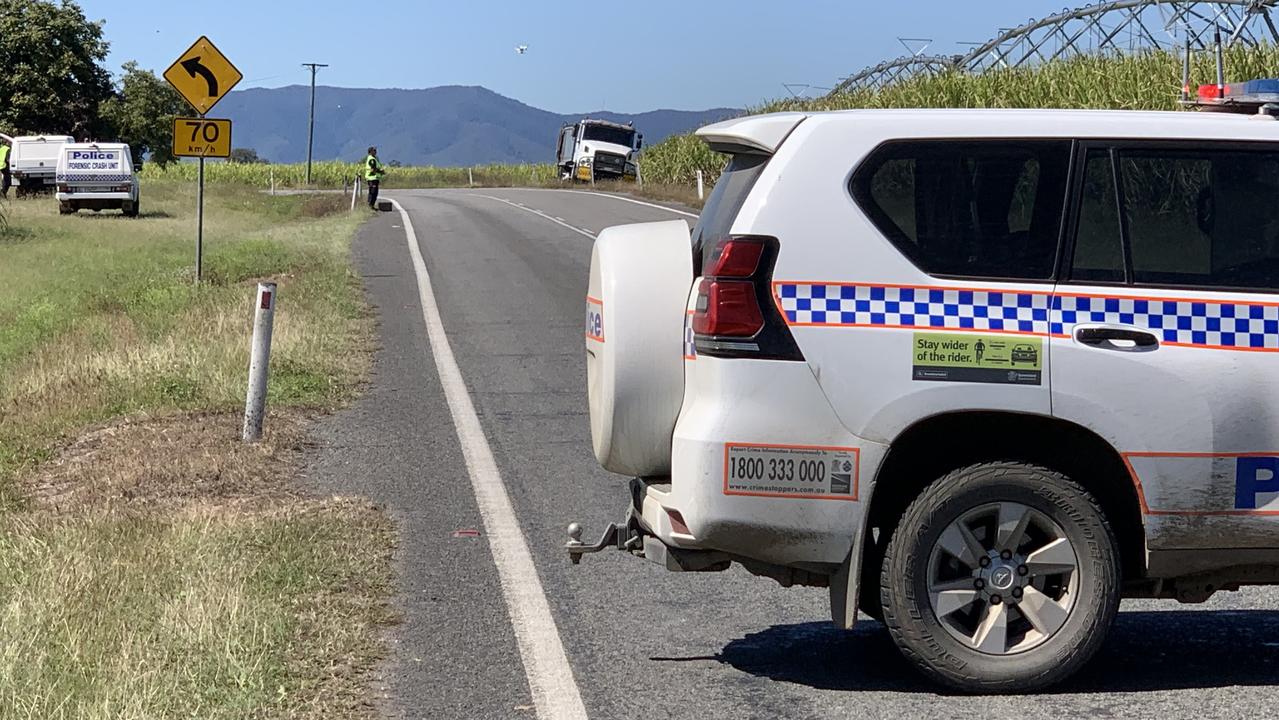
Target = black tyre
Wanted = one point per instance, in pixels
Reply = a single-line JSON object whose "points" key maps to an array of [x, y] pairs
{"points": [[131, 209], [66, 208], [1001, 577]]}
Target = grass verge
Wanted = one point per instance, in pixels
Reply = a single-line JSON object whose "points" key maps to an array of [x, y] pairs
{"points": [[153, 566]]}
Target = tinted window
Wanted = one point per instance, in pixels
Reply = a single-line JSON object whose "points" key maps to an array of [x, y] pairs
{"points": [[1099, 253], [725, 200], [988, 209], [1202, 217], [604, 133]]}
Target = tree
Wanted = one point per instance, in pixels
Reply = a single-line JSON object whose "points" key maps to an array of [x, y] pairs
{"points": [[142, 113], [248, 156], [51, 77]]}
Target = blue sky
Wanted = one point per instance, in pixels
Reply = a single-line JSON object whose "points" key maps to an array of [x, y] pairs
{"points": [[583, 56]]}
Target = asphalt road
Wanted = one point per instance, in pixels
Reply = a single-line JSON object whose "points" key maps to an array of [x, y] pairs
{"points": [[641, 642]]}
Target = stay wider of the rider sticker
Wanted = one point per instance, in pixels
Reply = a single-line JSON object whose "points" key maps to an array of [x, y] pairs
{"points": [[952, 357], [790, 471]]}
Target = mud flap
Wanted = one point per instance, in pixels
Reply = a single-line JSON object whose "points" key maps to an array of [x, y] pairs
{"points": [[843, 593]]}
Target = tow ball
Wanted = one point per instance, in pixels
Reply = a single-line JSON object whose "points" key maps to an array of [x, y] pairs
{"points": [[627, 537]]}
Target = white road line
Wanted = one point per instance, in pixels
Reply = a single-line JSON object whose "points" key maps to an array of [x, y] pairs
{"points": [[550, 677], [619, 197], [541, 214]]}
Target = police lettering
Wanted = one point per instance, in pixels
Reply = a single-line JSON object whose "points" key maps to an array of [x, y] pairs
{"points": [[1253, 476], [91, 155]]}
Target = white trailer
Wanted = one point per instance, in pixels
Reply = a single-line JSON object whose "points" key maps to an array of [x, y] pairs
{"points": [[33, 161]]}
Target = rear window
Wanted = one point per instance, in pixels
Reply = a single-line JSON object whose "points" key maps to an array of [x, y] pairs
{"points": [[725, 201], [977, 209]]}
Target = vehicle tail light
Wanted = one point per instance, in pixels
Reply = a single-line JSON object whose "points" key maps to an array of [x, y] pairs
{"points": [[123, 188], [735, 258], [735, 314], [727, 308], [63, 188]]}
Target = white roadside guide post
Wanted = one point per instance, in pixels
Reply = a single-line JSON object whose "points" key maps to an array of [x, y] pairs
{"points": [[701, 190], [470, 177], [272, 182], [355, 192], [259, 362]]}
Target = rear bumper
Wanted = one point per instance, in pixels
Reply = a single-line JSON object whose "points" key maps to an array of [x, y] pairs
{"points": [[88, 196], [756, 403], [28, 178]]}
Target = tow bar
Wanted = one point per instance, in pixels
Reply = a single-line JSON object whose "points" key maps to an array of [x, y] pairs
{"points": [[627, 537]]}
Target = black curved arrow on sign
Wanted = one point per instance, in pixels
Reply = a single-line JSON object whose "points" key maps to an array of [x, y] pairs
{"points": [[193, 68]]}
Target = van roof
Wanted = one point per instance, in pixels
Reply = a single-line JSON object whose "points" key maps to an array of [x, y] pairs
{"points": [[95, 145], [764, 133]]}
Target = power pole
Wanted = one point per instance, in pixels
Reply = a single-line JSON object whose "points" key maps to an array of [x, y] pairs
{"points": [[310, 130]]}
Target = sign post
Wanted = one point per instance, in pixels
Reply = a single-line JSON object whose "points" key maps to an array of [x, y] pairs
{"points": [[202, 76]]}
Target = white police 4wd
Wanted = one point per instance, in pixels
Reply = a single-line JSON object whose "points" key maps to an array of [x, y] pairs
{"points": [[981, 373], [97, 176]]}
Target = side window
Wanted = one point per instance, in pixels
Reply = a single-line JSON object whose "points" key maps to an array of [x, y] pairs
{"points": [[1099, 252], [1202, 218], [983, 209]]}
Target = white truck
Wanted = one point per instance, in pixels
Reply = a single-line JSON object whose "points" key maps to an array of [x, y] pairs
{"points": [[597, 149], [97, 176], [33, 161]]}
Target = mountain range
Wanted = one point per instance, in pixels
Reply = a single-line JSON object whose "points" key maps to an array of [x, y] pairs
{"points": [[443, 126]]}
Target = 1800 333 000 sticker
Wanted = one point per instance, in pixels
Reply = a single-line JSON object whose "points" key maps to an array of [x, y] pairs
{"points": [[792, 471]]}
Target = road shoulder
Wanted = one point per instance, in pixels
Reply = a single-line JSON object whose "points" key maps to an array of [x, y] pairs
{"points": [[454, 653]]}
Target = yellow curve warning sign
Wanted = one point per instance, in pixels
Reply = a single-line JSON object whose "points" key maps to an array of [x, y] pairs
{"points": [[203, 75]]}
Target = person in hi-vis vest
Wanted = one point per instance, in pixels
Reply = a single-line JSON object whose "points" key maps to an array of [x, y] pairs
{"points": [[373, 172], [4, 168]]}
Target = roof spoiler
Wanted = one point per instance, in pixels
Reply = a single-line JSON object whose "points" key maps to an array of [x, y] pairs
{"points": [[753, 135]]}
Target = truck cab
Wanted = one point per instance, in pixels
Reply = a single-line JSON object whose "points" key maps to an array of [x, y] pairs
{"points": [[97, 176], [597, 149], [33, 161]]}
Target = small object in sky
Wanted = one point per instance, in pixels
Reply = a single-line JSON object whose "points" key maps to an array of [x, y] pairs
{"points": [[521, 49]]}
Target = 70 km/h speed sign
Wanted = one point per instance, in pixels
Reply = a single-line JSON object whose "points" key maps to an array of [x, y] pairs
{"points": [[201, 137]]}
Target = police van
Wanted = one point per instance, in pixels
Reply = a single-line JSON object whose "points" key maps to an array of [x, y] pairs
{"points": [[981, 373], [33, 161], [97, 176]]}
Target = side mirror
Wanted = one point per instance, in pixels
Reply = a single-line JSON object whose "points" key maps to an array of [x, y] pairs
{"points": [[639, 141]]}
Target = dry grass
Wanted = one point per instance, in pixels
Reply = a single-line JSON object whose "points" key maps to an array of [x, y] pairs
{"points": [[165, 569], [153, 566], [101, 318]]}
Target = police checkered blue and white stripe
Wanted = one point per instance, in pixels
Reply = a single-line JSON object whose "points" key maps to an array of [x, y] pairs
{"points": [[690, 339], [1203, 323], [93, 177], [1178, 321], [912, 307]]}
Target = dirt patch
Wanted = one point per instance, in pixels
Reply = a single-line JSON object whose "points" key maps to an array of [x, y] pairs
{"points": [[171, 463], [318, 206]]}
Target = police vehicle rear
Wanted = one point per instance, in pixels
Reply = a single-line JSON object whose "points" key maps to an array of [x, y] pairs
{"points": [[97, 176], [981, 373]]}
